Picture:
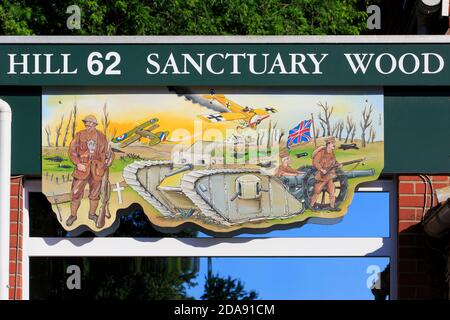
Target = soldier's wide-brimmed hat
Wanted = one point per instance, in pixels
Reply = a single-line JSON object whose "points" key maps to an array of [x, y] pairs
{"points": [[330, 139], [90, 118]]}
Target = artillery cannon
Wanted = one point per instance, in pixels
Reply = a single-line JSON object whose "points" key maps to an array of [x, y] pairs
{"points": [[302, 185]]}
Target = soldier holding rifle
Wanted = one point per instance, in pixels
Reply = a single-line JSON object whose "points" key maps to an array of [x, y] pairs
{"points": [[325, 162]]}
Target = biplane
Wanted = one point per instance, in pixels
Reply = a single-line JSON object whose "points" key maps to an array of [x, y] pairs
{"points": [[249, 117], [142, 131]]}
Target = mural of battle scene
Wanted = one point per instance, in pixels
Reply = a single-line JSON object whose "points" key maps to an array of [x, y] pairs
{"points": [[221, 158]]}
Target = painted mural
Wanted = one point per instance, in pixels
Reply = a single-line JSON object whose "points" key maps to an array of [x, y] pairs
{"points": [[220, 158]]}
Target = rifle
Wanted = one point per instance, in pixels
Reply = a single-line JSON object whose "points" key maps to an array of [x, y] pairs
{"points": [[105, 191], [328, 175]]}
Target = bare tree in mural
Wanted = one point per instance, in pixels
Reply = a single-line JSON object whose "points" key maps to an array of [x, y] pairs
{"points": [[353, 134], [372, 134], [48, 132], [74, 123], [106, 122], [269, 138], [58, 131], [322, 124], [365, 123], [114, 132], [334, 129], [340, 129], [337, 129], [282, 133], [327, 111], [350, 125], [66, 132]]}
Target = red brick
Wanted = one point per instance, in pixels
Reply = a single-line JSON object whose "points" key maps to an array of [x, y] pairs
{"points": [[13, 215], [414, 230], [14, 203], [439, 178], [15, 189], [420, 188], [440, 185], [12, 267], [13, 241], [403, 225], [16, 179], [407, 214], [407, 267], [406, 188], [407, 292], [13, 228], [409, 178], [13, 282], [411, 201], [11, 293], [18, 293], [420, 213], [12, 254]]}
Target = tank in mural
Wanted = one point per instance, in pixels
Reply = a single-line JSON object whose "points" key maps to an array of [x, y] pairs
{"points": [[221, 159]]}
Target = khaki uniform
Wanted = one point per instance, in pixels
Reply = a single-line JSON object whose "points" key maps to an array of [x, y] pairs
{"points": [[90, 149], [322, 160], [282, 170]]}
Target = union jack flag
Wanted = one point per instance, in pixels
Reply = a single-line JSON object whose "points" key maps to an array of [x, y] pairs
{"points": [[300, 133]]}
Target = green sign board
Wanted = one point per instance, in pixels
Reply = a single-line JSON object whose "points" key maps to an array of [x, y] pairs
{"points": [[283, 100], [214, 63]]}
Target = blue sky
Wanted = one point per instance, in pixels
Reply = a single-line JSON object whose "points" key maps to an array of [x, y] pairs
{"points": [[297, 278]]}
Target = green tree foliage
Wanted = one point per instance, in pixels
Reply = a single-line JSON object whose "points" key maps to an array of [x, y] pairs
{"points": [[185, 17], [218, 288], [143, 279], [115, 278]]}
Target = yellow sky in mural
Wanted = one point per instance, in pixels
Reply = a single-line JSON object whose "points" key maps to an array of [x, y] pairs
{"points": [[180, 116], [175, 114]]}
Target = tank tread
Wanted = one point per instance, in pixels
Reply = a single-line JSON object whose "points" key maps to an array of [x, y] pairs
{"points": [[130, 176]]}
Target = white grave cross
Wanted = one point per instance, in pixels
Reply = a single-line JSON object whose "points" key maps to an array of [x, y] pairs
{"points": [[118, 190]]}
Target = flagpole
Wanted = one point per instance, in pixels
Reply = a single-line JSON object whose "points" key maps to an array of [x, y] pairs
{"points": [[314, 130]]}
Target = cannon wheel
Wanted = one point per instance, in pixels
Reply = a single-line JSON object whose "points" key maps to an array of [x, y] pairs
{"points": [[323, 201]]}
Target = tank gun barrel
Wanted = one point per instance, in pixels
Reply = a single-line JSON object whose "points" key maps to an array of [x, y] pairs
{"points": [[359, 173], [181, 169]]}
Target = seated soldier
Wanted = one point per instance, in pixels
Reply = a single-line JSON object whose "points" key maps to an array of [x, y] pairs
{"points": [[285, 169]]}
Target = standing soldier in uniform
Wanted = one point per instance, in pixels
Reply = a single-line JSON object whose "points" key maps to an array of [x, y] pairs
{"points": [[325, 162], [88, 151]]}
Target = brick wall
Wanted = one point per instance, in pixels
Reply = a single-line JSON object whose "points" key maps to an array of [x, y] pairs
{"points": [[15, 245], [421, 270]]}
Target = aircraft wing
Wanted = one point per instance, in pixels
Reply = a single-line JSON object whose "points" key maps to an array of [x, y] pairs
{"points": [[149, 129], [264, 111], [146, 134], [130, 140], [230, 105], [220, 117]]}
